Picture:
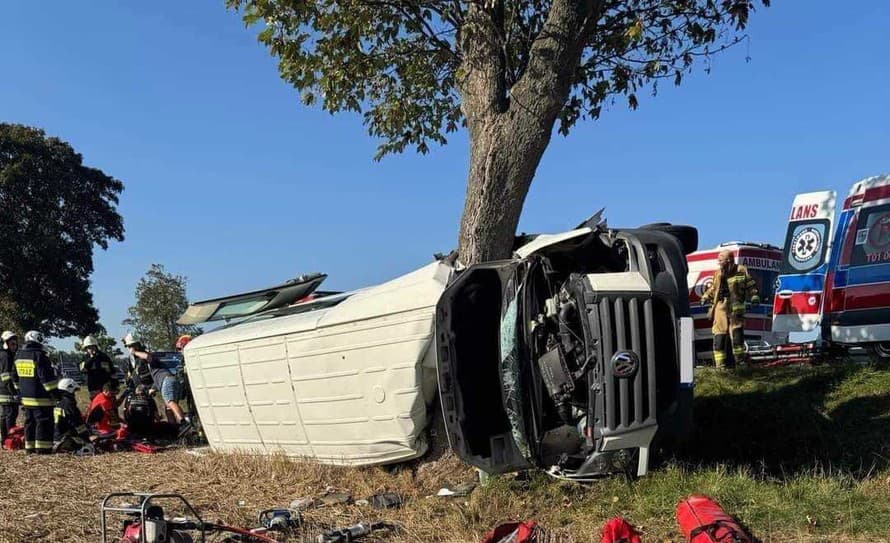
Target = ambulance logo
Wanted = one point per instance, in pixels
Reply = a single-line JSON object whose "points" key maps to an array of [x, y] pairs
{"points": [[703, 284], [879, 233], [806, 245]]}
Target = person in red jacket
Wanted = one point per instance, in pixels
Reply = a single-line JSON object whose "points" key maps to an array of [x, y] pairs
{"points": [[102, 413]]}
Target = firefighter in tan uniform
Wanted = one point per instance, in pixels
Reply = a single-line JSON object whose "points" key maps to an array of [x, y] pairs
{"points": [[730, 293]]}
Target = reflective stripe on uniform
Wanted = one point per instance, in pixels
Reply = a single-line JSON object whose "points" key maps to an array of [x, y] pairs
{"points": [[43, 444], [51, 385], [37, 402], [5, 376], [58, 413], [30, 444]]}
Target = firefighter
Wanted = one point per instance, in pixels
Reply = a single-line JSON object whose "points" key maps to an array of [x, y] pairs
{"points": [[138, 373], [97, 366], [38, 386], [9, 402], [729, 294], [71, 433]]}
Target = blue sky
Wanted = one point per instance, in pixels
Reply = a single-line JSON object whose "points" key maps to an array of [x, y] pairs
{"points": [[233, 183]]}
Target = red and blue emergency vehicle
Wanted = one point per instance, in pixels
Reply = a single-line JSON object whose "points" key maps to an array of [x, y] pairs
{"points": [[763, 262], [834, 286]]}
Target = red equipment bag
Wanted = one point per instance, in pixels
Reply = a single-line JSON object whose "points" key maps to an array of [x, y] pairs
{"points": [[618, 530], [15, 439], [146, 448], [702, 520], [513, 532]]}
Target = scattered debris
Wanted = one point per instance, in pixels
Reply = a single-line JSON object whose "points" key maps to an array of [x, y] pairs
{"points": [[302, 504], [461, 490], [387, 500], [336, 498], [354, 532], [515, 532]]}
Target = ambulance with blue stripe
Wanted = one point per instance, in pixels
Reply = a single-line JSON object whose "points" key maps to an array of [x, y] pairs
{"points": [[834, 287]]}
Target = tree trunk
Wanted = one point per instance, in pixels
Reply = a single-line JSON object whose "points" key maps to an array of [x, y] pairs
{"points": [[503, 161], [509, 134]]}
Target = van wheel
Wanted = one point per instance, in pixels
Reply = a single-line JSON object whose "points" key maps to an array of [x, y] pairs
{"points": [[687, 235], [879, 353]]}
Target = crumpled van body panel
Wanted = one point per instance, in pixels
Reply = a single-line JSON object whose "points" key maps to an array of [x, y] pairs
{"points": [[348, 384]]}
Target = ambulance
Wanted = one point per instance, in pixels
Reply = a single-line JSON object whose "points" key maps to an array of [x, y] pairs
{"points": [[763, 262], [834, 285]]}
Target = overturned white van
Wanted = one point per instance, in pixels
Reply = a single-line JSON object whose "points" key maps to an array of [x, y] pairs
{"points": [[574, 356], [345, 378]]}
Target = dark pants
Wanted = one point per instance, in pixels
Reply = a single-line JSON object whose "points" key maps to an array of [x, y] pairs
{"points": [[69, 443], [9, 413], [39, 429], [737, 336]]}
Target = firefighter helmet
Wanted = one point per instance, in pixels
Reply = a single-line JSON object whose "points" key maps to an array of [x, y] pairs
{"points": [[130, 339], [68, 385], [7, 335], [33, 336], [90, 341]]}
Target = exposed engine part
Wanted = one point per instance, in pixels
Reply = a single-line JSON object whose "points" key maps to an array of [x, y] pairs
{"points": [[558, 381]]}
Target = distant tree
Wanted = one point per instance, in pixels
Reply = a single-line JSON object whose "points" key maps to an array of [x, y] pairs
{"points": [[160, 300], [508, 71], [53, 211]]}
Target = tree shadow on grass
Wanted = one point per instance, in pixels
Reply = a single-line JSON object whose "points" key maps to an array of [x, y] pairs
{"points": [[788, 430]]}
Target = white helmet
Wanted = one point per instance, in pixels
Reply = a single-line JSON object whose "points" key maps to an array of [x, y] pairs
{"points": [[130, 339], [7, 335], [68, 385], [33, 336], [89, 341]]}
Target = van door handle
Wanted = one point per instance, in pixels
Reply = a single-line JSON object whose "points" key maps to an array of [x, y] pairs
{"points": [[784, 294]]}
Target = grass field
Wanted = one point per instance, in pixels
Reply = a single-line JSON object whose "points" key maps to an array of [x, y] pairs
{"points": [[798, 454]]}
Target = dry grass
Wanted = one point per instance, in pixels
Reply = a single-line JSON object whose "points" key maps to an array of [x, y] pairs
{"points": [[832, 490]]}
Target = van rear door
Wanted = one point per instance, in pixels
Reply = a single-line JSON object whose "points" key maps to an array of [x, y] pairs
{"points": [[797, 305]]}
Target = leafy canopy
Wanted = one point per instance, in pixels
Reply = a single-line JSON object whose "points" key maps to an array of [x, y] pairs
{"points": [[400, 63], [160, 301], [53, 211]]}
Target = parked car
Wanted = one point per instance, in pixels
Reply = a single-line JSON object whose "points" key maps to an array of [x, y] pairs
{"points": [[574, 356]]}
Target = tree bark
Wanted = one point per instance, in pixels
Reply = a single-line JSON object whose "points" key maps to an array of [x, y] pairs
{"points": [[509, 134]]}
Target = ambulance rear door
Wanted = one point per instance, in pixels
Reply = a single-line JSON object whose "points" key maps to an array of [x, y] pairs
{"points": [[797, 305]]}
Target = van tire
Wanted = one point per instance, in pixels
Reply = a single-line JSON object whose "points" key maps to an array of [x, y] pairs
{"points": [[879, 354], [687, 235]]}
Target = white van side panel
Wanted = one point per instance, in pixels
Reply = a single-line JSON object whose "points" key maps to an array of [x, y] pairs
{"points": [[348, 385]]}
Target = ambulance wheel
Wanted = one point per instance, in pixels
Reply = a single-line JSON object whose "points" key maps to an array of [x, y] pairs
{"points": [[686, 235], [879, 353]]}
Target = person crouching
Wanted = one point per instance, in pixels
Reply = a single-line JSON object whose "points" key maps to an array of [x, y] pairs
{"points": [[102, 413], [71, 433]]}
